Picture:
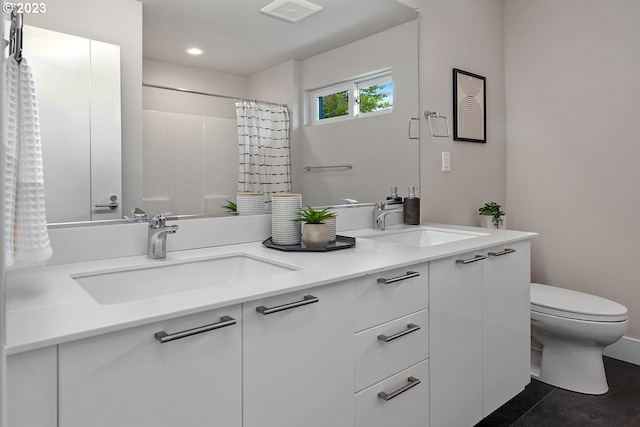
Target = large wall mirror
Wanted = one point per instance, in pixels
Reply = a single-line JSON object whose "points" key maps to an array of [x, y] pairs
{"points": [[187, 161]]}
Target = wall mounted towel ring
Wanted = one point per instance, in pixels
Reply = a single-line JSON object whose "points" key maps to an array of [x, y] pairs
{"points": [[436, 115]]}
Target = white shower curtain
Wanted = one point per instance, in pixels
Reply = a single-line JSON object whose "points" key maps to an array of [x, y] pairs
{"points": [[263, 136], [24, 224]]}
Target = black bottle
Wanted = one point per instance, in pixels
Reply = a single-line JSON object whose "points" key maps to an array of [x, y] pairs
{"points": [[412, 208]]}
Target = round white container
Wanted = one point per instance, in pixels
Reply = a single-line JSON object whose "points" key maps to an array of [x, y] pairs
{"points": [[250, 203], [284, 209]]}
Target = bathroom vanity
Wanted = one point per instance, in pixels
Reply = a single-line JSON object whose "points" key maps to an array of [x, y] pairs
{"points": [[397, 330]]}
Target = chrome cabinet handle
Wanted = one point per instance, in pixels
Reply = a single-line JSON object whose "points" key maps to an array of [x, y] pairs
{"points": [[504, 252], [410, 328], [412, 383], [409, 275], [470, 260], [164, 337], [308, 299]]}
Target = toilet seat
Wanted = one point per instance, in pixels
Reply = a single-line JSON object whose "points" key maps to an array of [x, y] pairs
{"points": [[575, 305]]}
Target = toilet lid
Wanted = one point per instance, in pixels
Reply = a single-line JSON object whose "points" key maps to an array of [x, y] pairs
{"points": [[575, 305]]}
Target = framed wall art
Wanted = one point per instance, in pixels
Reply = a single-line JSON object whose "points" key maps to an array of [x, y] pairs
{"points": [[469, 107]]}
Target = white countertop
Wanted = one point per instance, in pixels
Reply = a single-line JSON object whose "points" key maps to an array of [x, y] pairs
{"points": [[45, 306]]}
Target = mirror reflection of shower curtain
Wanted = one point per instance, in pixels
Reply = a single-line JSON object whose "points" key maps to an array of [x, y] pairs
{"points": [[263, 137]]}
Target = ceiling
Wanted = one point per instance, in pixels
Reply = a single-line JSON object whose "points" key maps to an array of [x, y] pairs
{"points": [[237, 38]]}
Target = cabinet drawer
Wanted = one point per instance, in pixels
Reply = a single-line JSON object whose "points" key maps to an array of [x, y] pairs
{"points": [[378, 302], [388, 348], [407, 409]]}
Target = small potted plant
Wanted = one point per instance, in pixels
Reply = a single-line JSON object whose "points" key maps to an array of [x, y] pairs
{"points": [[494, 217], [315, 233], [230, 206]]}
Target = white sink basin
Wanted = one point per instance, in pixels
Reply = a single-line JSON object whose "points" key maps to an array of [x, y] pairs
{"points": [[423, 236], [118, 286]]}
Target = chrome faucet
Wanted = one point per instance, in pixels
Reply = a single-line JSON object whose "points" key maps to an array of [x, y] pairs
{"points": [[157, 241], [380, 212]]}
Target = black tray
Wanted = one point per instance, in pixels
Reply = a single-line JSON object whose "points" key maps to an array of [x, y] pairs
{"points": [[341, 242]]}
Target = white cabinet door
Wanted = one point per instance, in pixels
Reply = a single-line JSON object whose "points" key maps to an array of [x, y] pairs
{"points": [[455, 333], [130, 379], [32, 387], [506, 323], [298, 353]]}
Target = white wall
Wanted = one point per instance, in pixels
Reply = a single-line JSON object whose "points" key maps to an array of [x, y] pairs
{"points": [[464, 34], [572, 157], [378, 147], [96, 19], [190, 140], [195, 79]]}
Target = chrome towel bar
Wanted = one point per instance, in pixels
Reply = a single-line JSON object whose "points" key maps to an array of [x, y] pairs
{"points": [[348, 166]]}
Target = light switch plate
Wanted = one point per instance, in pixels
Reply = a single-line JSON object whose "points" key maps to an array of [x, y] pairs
{"points": [[446, 161]]}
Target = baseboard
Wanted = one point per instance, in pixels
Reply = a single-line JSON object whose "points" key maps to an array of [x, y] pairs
{"points": [[627, 350]]}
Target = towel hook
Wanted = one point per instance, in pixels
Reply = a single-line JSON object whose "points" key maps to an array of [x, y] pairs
{"points": [[15, 35]]}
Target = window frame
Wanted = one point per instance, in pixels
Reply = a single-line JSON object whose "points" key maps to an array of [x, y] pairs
{"points": [[316, 95], [352, 87]]}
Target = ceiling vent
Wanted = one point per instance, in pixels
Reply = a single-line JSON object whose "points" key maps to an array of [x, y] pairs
{"points": [[291, 10]]}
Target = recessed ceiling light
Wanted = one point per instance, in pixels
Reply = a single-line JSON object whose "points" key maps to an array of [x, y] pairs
{"points": [[194, 51], [291, 10]]}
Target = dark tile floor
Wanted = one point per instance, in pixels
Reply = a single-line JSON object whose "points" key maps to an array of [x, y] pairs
{"points": [[542, 405]]}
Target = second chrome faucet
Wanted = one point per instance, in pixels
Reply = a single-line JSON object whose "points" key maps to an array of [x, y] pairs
{"points": [[382, 209]]}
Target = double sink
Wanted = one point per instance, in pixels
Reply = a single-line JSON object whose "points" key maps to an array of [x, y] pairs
{"points": [[146, 281]]}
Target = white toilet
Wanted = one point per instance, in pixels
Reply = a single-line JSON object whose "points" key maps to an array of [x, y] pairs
{"points": [[569, 331]]}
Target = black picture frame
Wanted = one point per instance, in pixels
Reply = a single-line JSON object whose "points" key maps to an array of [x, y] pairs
{"points": [[469, 107]]}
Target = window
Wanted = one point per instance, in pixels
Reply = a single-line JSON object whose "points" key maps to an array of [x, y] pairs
{"points": [[334, 103], [363, 97], [375, 95]]}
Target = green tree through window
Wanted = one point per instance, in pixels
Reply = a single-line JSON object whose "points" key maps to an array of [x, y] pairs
{"points": [[334, 105], [376, 97]]}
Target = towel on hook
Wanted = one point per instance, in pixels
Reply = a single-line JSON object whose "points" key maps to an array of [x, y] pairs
{"points": [[25, 222]]}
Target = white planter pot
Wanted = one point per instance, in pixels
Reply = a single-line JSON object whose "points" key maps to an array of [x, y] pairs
{"points": [[315, 235], [487, 222]]}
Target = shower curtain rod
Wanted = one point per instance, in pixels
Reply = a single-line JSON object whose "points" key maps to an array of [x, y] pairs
{"points": [[177, 89]]}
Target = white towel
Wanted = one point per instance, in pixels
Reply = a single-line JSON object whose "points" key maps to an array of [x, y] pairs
{"points": [[25, 222]]}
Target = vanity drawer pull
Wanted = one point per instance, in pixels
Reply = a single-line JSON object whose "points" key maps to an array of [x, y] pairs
{"points": [[409, 275], [470, 260], [410, 328], [412, 383], [308, 299], [504, 252], [225, 321]]}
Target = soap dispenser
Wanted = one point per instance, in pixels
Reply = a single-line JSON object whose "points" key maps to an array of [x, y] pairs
{"points": [[412, 208], [394, 195]]}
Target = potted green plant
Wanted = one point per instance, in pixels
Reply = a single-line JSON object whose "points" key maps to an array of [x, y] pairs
{"points": [[315, 232], [493, 215], [230, 206]]}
